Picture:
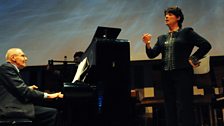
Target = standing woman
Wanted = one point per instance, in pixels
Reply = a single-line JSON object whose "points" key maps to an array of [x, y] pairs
{"points": [[177, 66]]}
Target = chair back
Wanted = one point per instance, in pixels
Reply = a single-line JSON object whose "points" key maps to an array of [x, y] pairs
{"points": [[204, 66]]}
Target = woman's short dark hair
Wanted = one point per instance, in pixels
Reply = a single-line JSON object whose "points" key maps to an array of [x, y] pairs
{"points": [[177, 12]]}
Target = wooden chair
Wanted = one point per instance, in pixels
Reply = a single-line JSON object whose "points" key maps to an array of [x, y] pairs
{"points": [[203, 93]]}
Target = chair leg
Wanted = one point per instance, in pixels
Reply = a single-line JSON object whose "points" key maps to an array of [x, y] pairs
{"points": [[215, 117]]}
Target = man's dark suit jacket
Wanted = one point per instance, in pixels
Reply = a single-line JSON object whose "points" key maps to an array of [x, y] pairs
{"points": [[15, 96]]}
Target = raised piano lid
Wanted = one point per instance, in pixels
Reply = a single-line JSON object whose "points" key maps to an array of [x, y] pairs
{"points": [[106, 32]]}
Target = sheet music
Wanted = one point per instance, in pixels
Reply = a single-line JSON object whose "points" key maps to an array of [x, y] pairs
{"points": [[82, 67]]}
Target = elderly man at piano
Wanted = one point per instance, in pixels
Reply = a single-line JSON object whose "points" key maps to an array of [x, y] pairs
{"points": [[17, 98]]}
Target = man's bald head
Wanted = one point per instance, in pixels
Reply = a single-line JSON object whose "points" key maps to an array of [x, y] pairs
{"points": [[12, 51], [17, 57]]}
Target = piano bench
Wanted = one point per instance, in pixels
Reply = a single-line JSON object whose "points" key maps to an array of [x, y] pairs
{"points": [[15, 122]]}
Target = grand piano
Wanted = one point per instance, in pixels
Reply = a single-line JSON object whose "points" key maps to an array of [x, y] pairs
{"points": [[103, 88]]}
